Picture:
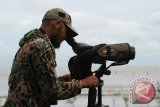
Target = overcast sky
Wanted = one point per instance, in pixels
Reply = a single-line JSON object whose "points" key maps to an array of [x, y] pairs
{"points": [[97, 21]]}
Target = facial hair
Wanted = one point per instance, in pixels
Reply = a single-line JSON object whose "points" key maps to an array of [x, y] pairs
{"points": [[54, 41]]}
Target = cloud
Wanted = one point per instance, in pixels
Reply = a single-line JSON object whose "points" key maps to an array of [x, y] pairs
{"points": [[136, 22], [4, 48], [7, 53]]}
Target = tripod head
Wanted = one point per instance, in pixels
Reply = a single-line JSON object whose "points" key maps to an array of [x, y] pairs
{"points": [[102, 71]]}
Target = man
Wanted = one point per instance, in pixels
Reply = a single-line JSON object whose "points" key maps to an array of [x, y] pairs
{"points": [[33, 81]]}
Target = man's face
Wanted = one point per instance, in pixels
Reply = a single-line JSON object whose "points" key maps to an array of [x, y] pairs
{"points": [[59, 30]]}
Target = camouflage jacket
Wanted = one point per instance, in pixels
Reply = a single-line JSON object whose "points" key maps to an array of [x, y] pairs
{"points": [[33, 81]]}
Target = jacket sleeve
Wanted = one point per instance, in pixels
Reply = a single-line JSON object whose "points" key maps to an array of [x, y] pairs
{"points": [[49, 85], [66, 77]]}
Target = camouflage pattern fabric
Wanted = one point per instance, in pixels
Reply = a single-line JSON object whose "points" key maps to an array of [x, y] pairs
{"points": [[33, 81]]}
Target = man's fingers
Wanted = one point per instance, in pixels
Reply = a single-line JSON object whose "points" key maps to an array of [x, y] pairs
{"points": [[90, 81]]}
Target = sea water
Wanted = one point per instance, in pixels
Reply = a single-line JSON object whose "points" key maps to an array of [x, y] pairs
{"points": [[115, 90]]}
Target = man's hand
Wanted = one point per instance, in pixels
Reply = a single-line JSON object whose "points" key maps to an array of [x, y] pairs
{"points": [[90, 81]]}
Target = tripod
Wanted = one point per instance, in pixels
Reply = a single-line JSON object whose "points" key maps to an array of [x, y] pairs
{"points": [[83, 62], [93, 91]]}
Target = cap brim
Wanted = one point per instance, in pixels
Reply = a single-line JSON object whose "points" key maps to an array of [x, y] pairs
{"points": [[71, 32]]}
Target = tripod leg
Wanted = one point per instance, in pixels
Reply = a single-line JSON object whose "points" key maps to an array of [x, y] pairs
{"points": [[99, 104], [92, 97]]}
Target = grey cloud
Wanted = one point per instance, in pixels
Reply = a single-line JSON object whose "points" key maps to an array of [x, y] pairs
{"points": [[105, 21]]}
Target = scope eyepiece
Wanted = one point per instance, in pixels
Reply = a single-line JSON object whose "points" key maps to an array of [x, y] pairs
{"points": [[132, 52]]}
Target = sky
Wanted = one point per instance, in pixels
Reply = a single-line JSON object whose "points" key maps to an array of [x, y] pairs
{"points": [[136, 22]]}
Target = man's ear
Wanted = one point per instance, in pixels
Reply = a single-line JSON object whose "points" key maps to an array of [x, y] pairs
{"points": [[58, 25]]}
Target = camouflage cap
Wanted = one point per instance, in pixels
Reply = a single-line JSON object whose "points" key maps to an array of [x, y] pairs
{"points": [[57, 13]]}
